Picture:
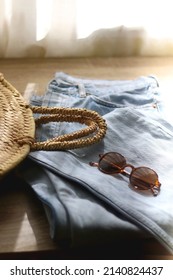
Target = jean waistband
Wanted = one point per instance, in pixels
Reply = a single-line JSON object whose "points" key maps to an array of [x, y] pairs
{"points": [[142, 91], [138, 82]]}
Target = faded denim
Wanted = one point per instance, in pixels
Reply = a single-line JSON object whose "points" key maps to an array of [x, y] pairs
{"points": [[84, 205]]}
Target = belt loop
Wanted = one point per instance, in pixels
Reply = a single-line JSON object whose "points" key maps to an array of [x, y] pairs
{"points": [[82, 91]]}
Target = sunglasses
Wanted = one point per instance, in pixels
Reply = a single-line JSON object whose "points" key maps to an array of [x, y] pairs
{"points": [[141, 178]]}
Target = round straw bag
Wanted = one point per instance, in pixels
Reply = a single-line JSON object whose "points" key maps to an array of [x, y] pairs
{"points": [[17, 127]]}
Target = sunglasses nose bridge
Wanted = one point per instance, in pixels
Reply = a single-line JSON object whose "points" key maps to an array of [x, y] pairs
{"points": [[125, 169]]}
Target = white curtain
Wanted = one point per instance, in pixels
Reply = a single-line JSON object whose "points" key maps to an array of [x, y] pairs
{"points": [[71, 28]]}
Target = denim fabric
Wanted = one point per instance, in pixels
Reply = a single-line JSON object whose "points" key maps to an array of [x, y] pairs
{"points": [[84, 205]]}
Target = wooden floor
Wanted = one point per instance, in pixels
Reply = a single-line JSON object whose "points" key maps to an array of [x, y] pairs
{"points": [[20, 72], [24, 231]]}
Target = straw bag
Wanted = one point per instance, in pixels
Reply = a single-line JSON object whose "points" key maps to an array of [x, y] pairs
{"points": [[17, 127]]}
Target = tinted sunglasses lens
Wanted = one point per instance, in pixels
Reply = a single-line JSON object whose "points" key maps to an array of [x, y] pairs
{"points": [[144, 178], [111, 163]]}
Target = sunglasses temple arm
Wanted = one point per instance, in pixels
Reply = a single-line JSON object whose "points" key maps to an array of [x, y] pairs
{"points": [[155, 190]]}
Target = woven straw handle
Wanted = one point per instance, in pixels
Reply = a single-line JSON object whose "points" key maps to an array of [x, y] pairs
{"points": [[94, 131]]}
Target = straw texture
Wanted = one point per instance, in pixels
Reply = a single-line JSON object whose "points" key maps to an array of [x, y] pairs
{"points": [[93, 132], [17, 127], [16, 123]]}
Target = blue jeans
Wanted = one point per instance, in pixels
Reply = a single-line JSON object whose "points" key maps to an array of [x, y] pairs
{"points": [[84, 205]]}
